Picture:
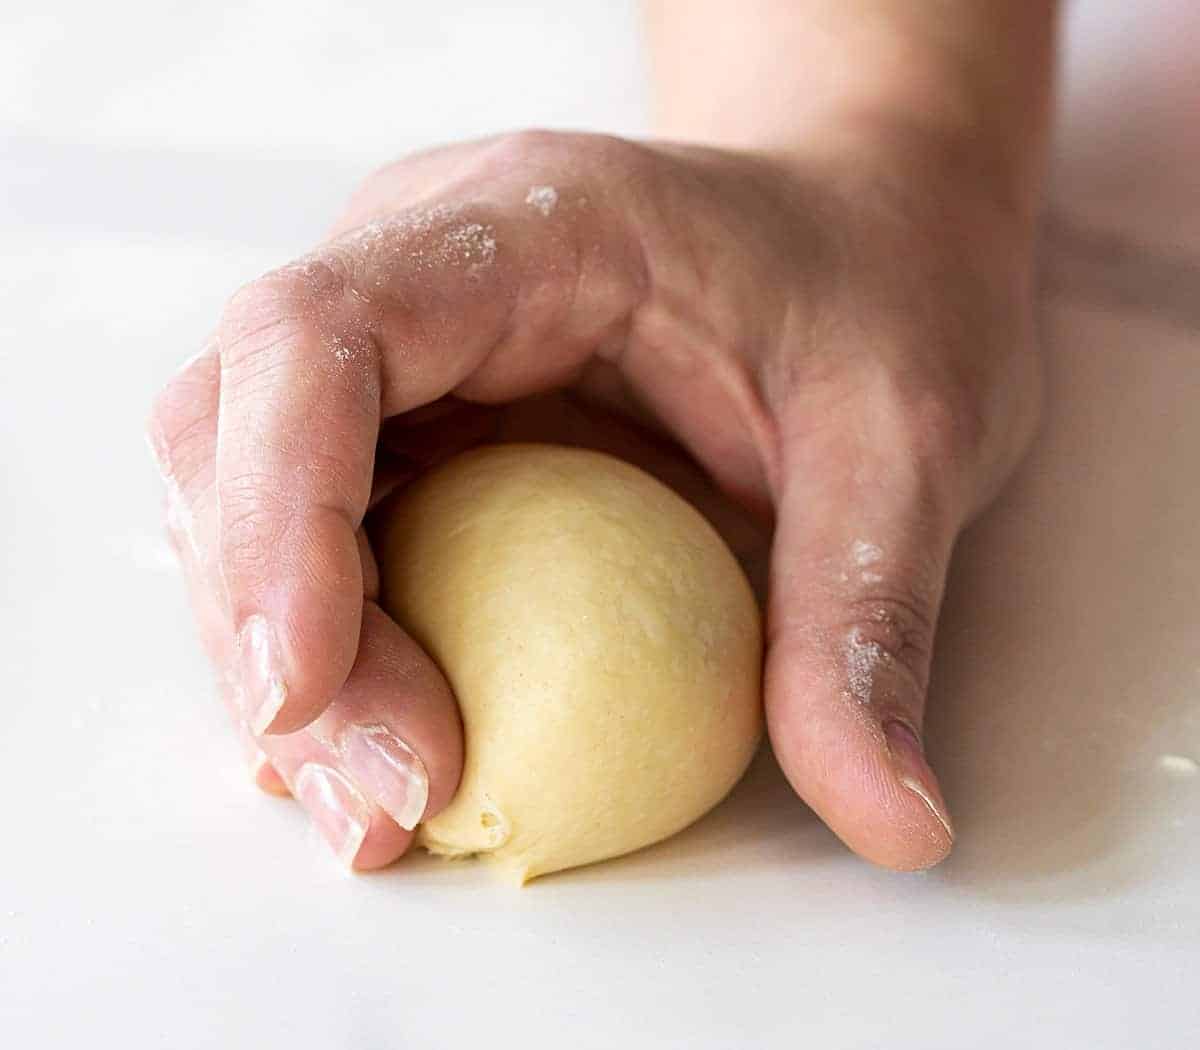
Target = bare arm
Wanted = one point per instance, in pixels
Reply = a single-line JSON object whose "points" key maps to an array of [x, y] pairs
{"points": [[971, 76]]}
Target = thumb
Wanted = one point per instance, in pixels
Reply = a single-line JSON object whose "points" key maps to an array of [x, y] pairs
{"points": [[863, 541]]}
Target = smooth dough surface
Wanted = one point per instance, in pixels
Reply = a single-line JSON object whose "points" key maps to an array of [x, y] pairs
{"points": [[603, 643]]}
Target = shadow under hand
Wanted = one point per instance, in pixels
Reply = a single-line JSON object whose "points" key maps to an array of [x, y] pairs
{"points": [[1067, 663]]}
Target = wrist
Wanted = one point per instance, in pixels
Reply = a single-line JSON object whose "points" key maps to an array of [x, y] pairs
{"points": [[883, 144], [964, 82]]}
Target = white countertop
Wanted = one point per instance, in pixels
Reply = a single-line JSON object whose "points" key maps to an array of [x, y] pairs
{"points": [[154, 156]]}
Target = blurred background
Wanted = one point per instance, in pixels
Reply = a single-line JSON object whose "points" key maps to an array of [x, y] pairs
{"points": [[154, 156]]}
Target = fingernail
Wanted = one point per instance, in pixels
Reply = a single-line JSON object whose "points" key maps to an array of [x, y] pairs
{"points": [[266, 777], [263, 690], [339, 812], [908, 760], [255, 756], [389, 769], [263, 774]]}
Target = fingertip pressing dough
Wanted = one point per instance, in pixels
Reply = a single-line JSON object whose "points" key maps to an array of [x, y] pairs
{"points": [[602, 641]]}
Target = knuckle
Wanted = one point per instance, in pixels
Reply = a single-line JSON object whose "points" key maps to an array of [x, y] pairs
{"points": [[564, 152], [934, 434], [898, 626], [255, 521], [614, 161], [174, 426], [946, 424], [530, 142], [331, 476], [531, 147], [610, 152], [181, 424], [157, 431], [259, 314], [164, 409]]}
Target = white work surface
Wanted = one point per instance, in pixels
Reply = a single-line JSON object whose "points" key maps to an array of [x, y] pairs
{"points": [[152, 157]]}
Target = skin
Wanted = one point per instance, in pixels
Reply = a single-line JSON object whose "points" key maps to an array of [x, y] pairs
{"points": [[807, 307]]}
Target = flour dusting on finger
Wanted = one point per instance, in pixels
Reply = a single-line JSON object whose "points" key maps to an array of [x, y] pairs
{"points": [[542, 198]]}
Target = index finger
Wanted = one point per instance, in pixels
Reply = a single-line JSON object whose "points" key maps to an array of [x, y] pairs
{"points": [[454, 298]]}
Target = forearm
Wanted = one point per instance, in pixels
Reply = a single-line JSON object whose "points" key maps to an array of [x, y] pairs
{"points": [[971, 77]]}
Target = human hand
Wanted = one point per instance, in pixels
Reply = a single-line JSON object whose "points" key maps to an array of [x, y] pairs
{"points": [[840, 339]]}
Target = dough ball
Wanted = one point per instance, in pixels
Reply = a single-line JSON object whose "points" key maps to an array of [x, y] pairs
{"points": [[602, 641]]}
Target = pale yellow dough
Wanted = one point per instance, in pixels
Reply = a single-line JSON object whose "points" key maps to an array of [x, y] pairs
{"points": [[603, 644]]}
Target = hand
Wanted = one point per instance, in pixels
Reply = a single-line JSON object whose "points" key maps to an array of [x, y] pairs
{"points": [[840, 339]]}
